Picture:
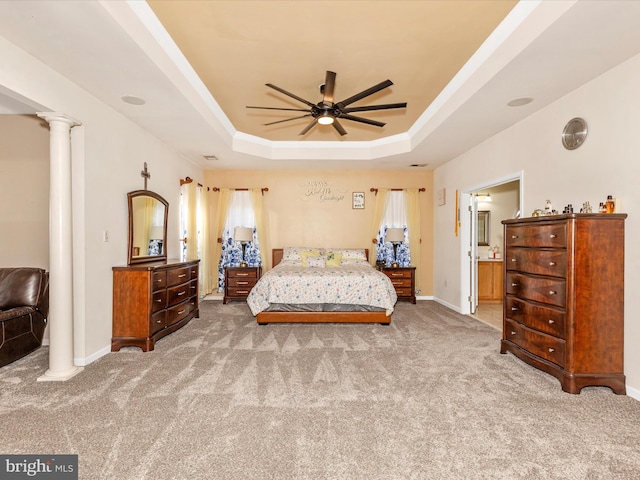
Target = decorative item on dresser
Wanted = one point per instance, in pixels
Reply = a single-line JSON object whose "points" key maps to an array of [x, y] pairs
{"points": [[238, 282], [564, 297], [403, 280], [151, 300]]}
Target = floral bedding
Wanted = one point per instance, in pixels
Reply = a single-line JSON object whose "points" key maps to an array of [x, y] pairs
{"points": [[353, 283]]}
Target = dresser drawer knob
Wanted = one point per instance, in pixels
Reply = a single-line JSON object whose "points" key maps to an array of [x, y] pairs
{"points": [[159, 300], [158, 321], [242, 274], [514, 309], [551, 350], [514, 259], [514, 236], [552, 292], [243, 283], [181, 312], [552, 264], [182, 275], [512, 332], [515, 285], [553, 235], [181, 293], [551, 322]]}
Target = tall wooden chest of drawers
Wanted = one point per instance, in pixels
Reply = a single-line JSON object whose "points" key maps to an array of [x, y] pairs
{"points": [[564, 297], [151, 300]]}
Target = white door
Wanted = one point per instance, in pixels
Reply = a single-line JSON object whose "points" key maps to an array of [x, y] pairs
{"points": [[473, 253]]}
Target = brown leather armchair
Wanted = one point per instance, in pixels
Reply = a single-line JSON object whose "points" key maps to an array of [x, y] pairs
{"points": [[24, 306]]}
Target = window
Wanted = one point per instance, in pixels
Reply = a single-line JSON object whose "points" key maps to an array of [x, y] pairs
{"points": [[394, 217], [241, 214]]}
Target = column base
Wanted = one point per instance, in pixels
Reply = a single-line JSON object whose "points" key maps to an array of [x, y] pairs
{"points": [[51, 376]]}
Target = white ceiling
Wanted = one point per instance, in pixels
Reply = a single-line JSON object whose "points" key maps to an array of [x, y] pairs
{"points": [[542, 50]]}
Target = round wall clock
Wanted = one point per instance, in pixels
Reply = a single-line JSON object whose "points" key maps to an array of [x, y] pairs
{"points": [[574, 133]]}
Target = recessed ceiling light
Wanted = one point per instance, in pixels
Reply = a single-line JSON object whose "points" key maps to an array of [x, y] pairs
{"points": [[133, 100], [211, 158], [418, 164], [519, 102]]}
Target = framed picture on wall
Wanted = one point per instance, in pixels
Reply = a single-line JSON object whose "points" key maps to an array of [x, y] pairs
{"points": [[358, 200]]}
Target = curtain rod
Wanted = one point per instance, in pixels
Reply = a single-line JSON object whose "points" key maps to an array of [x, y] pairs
{"points": [[375, 190], [264, 189], [189, 180]]}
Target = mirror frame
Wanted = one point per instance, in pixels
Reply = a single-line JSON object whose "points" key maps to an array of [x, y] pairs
{"points": [[131, 260], [483, 228]]}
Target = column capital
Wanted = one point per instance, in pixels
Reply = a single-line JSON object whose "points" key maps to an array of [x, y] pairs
{"points": [[59, 117]]}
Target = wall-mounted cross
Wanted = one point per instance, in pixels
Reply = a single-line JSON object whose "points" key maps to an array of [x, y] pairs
{"points": [[146, 174]]}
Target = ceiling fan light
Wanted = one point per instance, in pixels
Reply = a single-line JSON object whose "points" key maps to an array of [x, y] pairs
{"points": [[325, 119]]}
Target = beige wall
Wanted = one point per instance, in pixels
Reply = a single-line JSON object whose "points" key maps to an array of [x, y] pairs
{"points": [[313, 207], [24, 191], [607, 164]]}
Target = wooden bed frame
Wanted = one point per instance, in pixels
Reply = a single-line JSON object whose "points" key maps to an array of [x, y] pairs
{"points": [[319, 317]]}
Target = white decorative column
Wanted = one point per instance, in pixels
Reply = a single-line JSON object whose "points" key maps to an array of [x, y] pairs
{"points": [[61, 365]]}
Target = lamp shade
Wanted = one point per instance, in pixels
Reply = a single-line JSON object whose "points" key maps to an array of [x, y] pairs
{"points": [[243, 234], [394, 235], [156, 233]]}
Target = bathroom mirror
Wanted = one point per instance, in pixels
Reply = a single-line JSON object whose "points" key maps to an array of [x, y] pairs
{"points": [[148, 213], [483, 228]]}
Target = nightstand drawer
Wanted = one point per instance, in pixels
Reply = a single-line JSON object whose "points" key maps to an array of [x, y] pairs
{"points": [[242, 282], [399, 273]]}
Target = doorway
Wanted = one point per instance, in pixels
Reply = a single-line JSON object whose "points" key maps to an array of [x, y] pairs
{"points": [[481, 258]]}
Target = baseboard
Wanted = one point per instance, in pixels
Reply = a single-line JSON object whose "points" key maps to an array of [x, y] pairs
{"points": [[633, 393], [424, 297], [448, 305], [83, 362]]}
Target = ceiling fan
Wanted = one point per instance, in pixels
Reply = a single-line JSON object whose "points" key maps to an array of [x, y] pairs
{"points": [[326, 112]]}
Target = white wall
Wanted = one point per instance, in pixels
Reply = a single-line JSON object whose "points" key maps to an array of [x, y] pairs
{"points": [[607, 163], [24, 191], [108, 154]]}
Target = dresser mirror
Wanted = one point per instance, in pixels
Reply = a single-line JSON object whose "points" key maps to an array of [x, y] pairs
{"points": [[148, 213]]}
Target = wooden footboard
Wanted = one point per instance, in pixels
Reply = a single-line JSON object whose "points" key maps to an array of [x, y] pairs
{"points": [[323, 317]]}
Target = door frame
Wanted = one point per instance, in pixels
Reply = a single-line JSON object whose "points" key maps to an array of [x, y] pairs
{"points": [[466, 195]]}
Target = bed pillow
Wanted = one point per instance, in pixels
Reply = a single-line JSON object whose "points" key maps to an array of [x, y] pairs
{"points": [[333, 259], [306, 254], [293, 253], [316, 261], [353, 261], [351, 253]]}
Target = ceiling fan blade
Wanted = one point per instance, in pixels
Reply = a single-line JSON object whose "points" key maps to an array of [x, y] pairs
{"points": [[338, 127], [364, 93], [362, 120], [276, 108], [329, 85], [308, 127], [375, 107], [287, 120], [306, 102]]}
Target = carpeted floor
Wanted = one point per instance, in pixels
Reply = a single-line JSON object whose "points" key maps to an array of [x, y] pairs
{"points": [[428, 397]]}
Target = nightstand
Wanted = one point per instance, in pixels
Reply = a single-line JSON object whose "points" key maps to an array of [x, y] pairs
{"points": [[238, 282], [403, 280]]}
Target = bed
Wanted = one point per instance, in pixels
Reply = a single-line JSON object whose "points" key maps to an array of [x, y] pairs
{"points": [[322, 286]]}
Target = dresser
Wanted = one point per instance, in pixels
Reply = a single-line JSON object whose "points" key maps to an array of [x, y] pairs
{"points": [[490, 281], [564, 297], [151, 300], [403, 280], [238, 282]]}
